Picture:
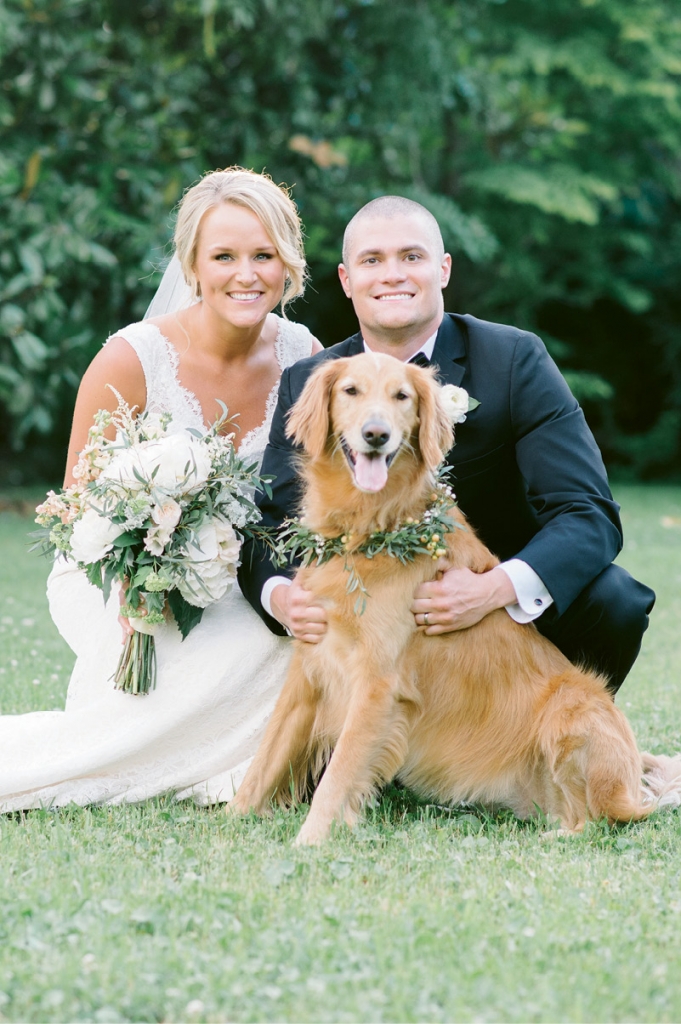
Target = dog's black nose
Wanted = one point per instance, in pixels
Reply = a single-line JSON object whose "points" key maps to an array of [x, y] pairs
{"points": [[376, 433]]}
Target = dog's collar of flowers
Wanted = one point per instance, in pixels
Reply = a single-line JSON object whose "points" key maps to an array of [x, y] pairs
{"points": [[407, 540]]}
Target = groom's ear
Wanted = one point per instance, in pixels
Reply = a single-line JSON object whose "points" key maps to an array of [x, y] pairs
{"points": [[308, 422], [344, 280]]}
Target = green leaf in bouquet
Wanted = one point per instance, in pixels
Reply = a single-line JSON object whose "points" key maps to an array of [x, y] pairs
{"points": [[155, 601], [186, 615], [126, 540], [109, 576], [93, 571], [41, 541], [141, 575], [265, 485], [250, 505]]}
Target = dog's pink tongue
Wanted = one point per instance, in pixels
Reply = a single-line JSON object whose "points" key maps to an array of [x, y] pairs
{"points": [[371, 472]]}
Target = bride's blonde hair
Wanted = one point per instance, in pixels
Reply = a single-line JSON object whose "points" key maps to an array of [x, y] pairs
{"points": [[258, 193]]}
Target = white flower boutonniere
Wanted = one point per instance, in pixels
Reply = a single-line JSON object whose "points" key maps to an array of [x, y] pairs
{"points": [[457, 402]]}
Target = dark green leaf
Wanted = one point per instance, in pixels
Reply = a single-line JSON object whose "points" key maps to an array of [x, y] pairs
{"points": [[186, 615]]}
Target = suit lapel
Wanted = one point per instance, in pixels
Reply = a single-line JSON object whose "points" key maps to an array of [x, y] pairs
{"points": [[353, 346], [449, 354]]}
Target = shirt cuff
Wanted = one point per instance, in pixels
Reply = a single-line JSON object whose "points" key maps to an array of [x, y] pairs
{"points": [[266, 592], [533, 597]]}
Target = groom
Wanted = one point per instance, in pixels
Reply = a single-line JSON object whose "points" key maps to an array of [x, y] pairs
{"points": [[526, 469]]}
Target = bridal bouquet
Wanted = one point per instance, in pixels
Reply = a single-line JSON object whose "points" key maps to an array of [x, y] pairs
{"points": [[161, 512]]}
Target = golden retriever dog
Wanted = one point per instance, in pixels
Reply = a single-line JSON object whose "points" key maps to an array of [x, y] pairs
{"points": [[492, 714]]}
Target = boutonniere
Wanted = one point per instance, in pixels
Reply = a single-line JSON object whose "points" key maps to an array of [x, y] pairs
{"points": [[457, 402]]}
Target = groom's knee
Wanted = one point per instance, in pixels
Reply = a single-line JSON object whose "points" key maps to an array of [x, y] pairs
{"points": [[618, 604], [604, 626]]}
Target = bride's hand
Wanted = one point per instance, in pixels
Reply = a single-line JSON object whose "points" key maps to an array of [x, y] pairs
{"points": [[297, 609], [124, 623]]}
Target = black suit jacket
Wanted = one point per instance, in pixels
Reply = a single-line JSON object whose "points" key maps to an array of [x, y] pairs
{"points": [[526, 469]]}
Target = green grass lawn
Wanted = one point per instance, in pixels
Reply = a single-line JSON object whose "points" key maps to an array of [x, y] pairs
{"points": [[166, 912]]}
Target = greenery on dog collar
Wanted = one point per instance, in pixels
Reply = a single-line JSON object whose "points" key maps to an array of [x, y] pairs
{"points": [[413, 537]]}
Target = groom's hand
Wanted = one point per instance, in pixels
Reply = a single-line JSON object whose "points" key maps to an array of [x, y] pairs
{"points": [[460, 598], [297, 609]]}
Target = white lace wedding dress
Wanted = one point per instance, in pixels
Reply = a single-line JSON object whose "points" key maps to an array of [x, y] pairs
{"points": [[195, 734]]}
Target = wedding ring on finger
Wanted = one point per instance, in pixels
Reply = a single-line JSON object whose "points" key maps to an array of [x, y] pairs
{"points": [[425, 618]]}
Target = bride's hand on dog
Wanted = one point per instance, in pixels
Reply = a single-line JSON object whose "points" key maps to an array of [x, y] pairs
{"points": [[459, 599], [296, 608]]}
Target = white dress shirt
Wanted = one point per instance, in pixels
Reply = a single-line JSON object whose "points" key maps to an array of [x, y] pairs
{"points": [[532, 596]]}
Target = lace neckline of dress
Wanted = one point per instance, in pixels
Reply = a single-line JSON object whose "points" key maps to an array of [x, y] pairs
{"points": [[247, 441]]}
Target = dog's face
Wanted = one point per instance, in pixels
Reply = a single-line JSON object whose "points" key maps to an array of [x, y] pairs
{"points": [[372, 408], [373, 414]]}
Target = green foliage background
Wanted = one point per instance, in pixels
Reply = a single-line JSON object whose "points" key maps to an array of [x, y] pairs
{"points": [[546, 138]]}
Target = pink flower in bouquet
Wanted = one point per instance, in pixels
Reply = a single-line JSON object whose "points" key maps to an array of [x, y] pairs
{"points": [[166, 517]]}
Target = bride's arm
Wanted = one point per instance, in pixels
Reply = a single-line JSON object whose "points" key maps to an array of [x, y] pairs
{"points": [[76, 606], [118, 365]]}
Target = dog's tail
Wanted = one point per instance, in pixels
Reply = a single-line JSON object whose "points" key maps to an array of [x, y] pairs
{"points": [[662, 779]]}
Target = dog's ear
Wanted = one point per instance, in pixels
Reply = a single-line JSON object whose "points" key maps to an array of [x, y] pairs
{"points": [[436, 434], [308, 422]]}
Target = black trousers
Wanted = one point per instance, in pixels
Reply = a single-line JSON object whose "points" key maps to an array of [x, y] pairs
{"points": [[603, 628]]}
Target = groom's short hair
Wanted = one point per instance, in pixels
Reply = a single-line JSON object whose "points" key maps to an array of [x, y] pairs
{"points": [[388, 207]]}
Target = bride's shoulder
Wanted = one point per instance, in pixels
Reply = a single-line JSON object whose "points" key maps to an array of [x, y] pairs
{"points": [[116, 366], [141, 333], [294, 341], [127, 357]]}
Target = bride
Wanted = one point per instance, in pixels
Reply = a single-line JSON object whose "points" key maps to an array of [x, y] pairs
{"points": [[238, 246]]}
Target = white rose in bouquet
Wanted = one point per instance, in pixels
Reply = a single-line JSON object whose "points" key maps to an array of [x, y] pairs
{"points": [[210, 563], [121, 469], [215, 539], [176, 463], [181, 463], [206, 582], [229, 545], [93, 536]]}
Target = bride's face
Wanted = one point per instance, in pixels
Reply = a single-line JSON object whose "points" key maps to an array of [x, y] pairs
{"points": [[239, 270]]}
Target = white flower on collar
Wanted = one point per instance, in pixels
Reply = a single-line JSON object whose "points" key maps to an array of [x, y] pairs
{"points": [[457, 402]]}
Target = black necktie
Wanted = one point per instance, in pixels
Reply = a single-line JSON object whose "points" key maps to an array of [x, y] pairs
{"points": [[420, 360]]}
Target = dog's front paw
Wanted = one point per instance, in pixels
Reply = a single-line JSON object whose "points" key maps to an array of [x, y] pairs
{"points": [[560, 833], [242, 805], [234, 807], [312, 834]]}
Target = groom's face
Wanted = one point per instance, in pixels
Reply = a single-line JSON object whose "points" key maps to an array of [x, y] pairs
{"points": [[394, 273]]}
